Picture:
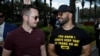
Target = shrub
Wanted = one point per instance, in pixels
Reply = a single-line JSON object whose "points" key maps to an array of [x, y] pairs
{"points": [[89, 30], [47, 32]]}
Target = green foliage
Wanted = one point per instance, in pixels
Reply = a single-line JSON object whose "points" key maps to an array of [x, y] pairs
{"points": [[86, 12], [89, 30], [46, 30]]}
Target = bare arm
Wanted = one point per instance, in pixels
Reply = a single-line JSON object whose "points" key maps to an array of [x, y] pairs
{"points": [[51, 50], [43, 50], [86, 50], [6, 52]]}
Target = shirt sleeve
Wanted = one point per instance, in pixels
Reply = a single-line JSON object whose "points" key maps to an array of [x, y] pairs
{"points": [[52, 36], [42, 38], [8, 42], [86, 38]]}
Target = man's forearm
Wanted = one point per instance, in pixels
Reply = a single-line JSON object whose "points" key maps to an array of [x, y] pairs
{"points": [[5, 55], [85, 54], [6, 52], [86, 50], [51, 53], [51, 50], [43, 50], [43, 53]]}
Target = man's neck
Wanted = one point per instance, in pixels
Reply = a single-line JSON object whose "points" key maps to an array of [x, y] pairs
{"points": [[68, 26], [27, 28]]}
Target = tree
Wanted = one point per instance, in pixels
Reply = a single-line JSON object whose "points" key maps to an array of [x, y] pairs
{"points": [[86, 13], [45, 10], [90, 8], [95, 6], [73, 7], [82, 8]]}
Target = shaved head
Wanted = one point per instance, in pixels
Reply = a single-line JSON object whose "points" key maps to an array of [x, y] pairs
{"points": [[26, 10]]}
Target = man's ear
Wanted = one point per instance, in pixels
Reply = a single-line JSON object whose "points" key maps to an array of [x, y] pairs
{"points": [[70, 15], [25, 17]]}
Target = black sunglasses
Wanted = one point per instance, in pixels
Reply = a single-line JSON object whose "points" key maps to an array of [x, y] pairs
{"points": [[35, 17]]}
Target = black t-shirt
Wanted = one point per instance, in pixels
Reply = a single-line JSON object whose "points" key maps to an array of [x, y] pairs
{"points": [[69, 42]]}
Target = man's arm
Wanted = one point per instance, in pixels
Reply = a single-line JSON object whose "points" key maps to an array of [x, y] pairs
{"points": [[6, 52], [51, 50], [43, 50], [86, 50]]}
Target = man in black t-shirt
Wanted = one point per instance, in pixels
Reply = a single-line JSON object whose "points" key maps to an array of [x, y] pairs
{"points": [[68, 40]]}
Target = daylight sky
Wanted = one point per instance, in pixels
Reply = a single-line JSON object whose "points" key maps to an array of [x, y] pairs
{"points": [[57, 3]]}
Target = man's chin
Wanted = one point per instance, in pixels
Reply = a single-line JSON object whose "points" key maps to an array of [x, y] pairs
{"points": [[34, 26], [62, 23]]}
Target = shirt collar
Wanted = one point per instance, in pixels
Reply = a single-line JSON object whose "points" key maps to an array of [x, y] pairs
{"points": [[22, 30]]}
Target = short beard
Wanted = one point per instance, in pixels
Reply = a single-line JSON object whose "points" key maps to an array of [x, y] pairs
{"points": [[64, 22], [31, 26]]}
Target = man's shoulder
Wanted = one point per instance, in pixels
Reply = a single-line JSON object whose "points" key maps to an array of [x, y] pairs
{"points": [[80, 30], [16, 31], [10, 25], [39, 30]]}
